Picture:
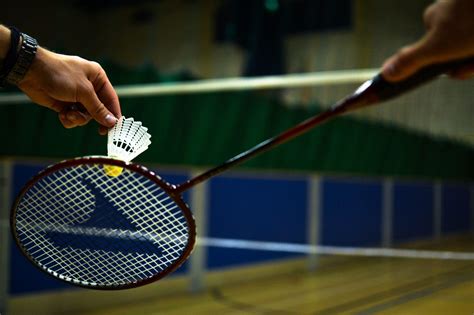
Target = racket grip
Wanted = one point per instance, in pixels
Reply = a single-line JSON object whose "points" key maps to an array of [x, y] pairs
{"points": [[386, 90]]}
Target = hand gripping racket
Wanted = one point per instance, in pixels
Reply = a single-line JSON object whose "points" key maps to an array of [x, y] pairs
{"points": [[82, 226]]}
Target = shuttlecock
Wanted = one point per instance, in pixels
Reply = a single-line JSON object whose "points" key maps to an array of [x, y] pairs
{"points": [[126, 140]]}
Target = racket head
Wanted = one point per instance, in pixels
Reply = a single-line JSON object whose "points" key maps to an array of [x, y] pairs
{"points": [[82, 226]]}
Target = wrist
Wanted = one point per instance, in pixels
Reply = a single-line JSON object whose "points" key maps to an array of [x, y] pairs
{"points": [[37, 68]]}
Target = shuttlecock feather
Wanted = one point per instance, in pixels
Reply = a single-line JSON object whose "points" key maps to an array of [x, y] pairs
{"points": [[127, 139]]}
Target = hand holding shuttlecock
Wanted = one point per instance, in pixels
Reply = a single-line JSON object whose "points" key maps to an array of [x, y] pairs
{"points": [[126, 140]]}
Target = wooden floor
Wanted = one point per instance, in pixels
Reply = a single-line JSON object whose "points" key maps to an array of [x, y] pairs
{"points": [[340, 285]]}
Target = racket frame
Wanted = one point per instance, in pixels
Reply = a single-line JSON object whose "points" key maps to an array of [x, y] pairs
{"points": [[102, 160]]}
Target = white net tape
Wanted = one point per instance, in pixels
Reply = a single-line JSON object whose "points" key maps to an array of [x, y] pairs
{"points": [[229, 84], [85, 227], [334, 250]]}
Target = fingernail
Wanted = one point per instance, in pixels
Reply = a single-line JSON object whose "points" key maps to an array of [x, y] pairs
{"points": [[111, 120]]}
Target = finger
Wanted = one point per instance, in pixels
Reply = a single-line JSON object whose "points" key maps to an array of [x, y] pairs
{"points": [[78, 118], [65, 121], [88, 97], [79, 113], [103, 130], [107, 94], [73, 118], [406, 61], [429, 14], [463, 73], [412, 58]]}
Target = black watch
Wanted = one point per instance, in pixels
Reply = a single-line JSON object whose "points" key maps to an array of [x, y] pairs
{"points": [[27, 53]]}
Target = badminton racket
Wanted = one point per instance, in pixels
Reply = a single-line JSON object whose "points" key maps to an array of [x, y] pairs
{"points": [[80, 225]]}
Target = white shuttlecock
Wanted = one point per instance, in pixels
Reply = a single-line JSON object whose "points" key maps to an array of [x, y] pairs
{"points": [[126, 140]]}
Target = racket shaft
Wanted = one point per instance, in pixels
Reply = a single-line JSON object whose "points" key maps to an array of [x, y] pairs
{"points": [[371, 92]]}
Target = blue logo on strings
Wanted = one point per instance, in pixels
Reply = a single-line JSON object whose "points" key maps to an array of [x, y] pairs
{"points": [[107, 229]]}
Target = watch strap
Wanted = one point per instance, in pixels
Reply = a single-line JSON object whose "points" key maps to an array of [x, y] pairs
{"points": [[26, 55]]}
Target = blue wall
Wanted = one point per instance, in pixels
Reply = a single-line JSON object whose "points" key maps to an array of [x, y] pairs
{"points": [[255, 209], [275, 208], [456, 208], [412, 211], [352, 212]]}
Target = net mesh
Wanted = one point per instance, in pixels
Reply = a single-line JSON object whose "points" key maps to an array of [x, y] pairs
{"points": [[85, 227]]}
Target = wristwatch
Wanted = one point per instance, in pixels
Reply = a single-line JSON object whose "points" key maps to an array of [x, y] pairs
{"points": [[27, 53]]}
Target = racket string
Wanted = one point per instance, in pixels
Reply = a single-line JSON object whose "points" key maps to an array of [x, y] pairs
{"points": [[47, 189], [149, 235], [147, 220]]}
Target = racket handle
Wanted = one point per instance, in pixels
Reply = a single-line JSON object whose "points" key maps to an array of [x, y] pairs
{"points": [[385, 90]]}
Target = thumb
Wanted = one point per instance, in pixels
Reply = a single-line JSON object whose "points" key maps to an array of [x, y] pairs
{"points": [[88, 98], [407, 61], [404, 63]]}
